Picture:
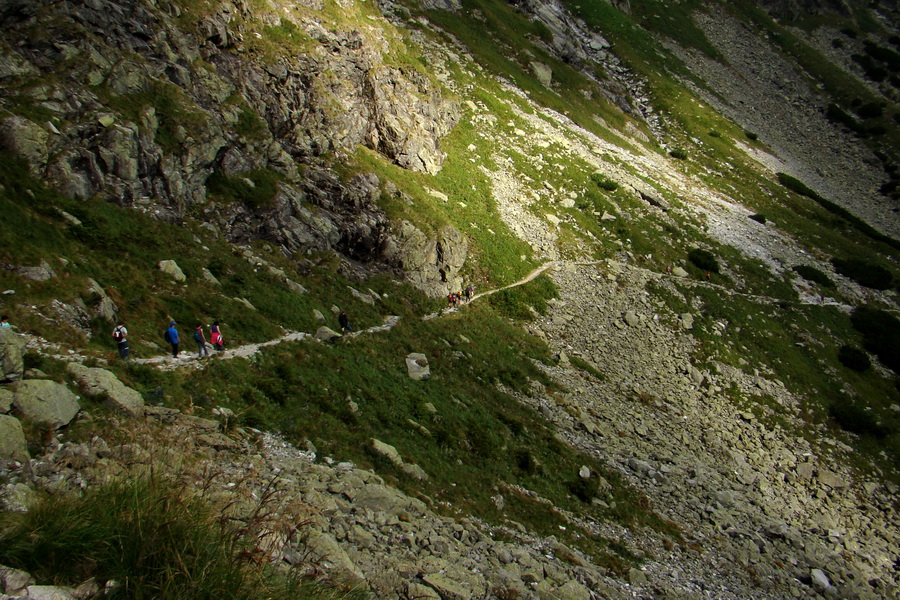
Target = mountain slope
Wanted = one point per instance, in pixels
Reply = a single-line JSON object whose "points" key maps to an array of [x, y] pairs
{"points": [[668, 412]]}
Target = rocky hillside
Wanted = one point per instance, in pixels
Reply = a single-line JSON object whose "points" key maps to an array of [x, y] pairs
{"points": [[692, 401]]}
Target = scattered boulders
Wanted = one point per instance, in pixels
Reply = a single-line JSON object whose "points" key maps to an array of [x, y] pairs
{"points": [[326, 334]]}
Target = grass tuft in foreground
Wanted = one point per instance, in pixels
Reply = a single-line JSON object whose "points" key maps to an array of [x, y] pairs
{"points": [[144, 538]]}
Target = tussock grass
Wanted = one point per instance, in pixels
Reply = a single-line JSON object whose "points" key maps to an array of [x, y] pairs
{"points": [[145, 538]]}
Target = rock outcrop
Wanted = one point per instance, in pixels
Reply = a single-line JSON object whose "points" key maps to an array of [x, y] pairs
{"points": [[11, 361]]}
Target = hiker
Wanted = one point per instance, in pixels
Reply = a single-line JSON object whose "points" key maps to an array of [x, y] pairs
{"points": [[172, 338], [450, 299], [120, 335], [4, 322], [201, 341], [468, 293], [344, 322], [215, 337]]}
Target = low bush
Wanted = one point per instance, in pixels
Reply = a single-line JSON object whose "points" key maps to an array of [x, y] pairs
{"points": [[881, 334], [854, 358], [864, 273], [604, 182], [704, 259], [751, 135], [255, 188], [854, 418], [815, 275], [678, 153], [759, 218]]}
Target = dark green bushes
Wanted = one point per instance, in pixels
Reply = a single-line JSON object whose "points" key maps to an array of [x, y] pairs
{"points": [[815, 275], [604, 182], [704, 259], [864, 273], [854, 358], [678, 153], [854, 418], [759, 218], [881, 334]]}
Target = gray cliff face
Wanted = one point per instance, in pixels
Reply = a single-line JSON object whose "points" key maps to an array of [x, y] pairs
{"points": [[145, 110]]}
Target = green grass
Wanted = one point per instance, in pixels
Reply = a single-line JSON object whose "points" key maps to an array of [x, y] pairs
{"points": [[148, 538]]}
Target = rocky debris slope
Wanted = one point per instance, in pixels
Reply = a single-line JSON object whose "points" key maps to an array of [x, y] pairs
{"points": [[766, 506], [757, 83]]}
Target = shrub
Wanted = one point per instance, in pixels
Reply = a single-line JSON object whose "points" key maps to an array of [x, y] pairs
{"points": [[584, 489], [759, 218], [604, 182], [255, 188], [815, 275], [678, 153], [864, 273], [751, 135], [854, 418], [704, 259], [854, 358], [715, 134], [881, 334]]}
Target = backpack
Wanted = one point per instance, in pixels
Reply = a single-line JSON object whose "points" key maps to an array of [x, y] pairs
{"points": [[167, 337], [197, 336]]}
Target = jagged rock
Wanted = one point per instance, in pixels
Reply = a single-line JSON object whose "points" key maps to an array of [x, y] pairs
{"points": [[679, 272], [632, 319], [367, 298], [13, 581], [45, 403], [49, 592], [26, 139], [572, 590], [42, 272], [6, 398], [326, 334], [543, 73], [432, 265], [11, 359], [105, 307], [326, 552], [417, 366], [104, 384], [317, 314], [687, 320], [820, 580], [12, 439], [295, 287], [387, 451], [171, 268], [208, 277], [831, 479]]}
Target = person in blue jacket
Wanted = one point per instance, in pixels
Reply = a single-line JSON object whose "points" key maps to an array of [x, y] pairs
{"points": [[172, 338]]}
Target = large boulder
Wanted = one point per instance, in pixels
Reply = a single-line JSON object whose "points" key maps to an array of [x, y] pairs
{"points": [[46, 403], [12, 439], [432, 264], [11, 361], [417, 366], [171, 268], [104, 384]]}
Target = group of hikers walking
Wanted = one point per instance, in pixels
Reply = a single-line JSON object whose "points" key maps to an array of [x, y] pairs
{"points": [[172, 337], [456, 298]]}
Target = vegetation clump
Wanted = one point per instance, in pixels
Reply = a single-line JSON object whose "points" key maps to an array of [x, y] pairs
{"points": [[881, 334], [604, 182], [759, 218], [147, 539], [704, 259], [255, 188], [864, 273], [854, 358], [854, 418], [815, 275]]}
